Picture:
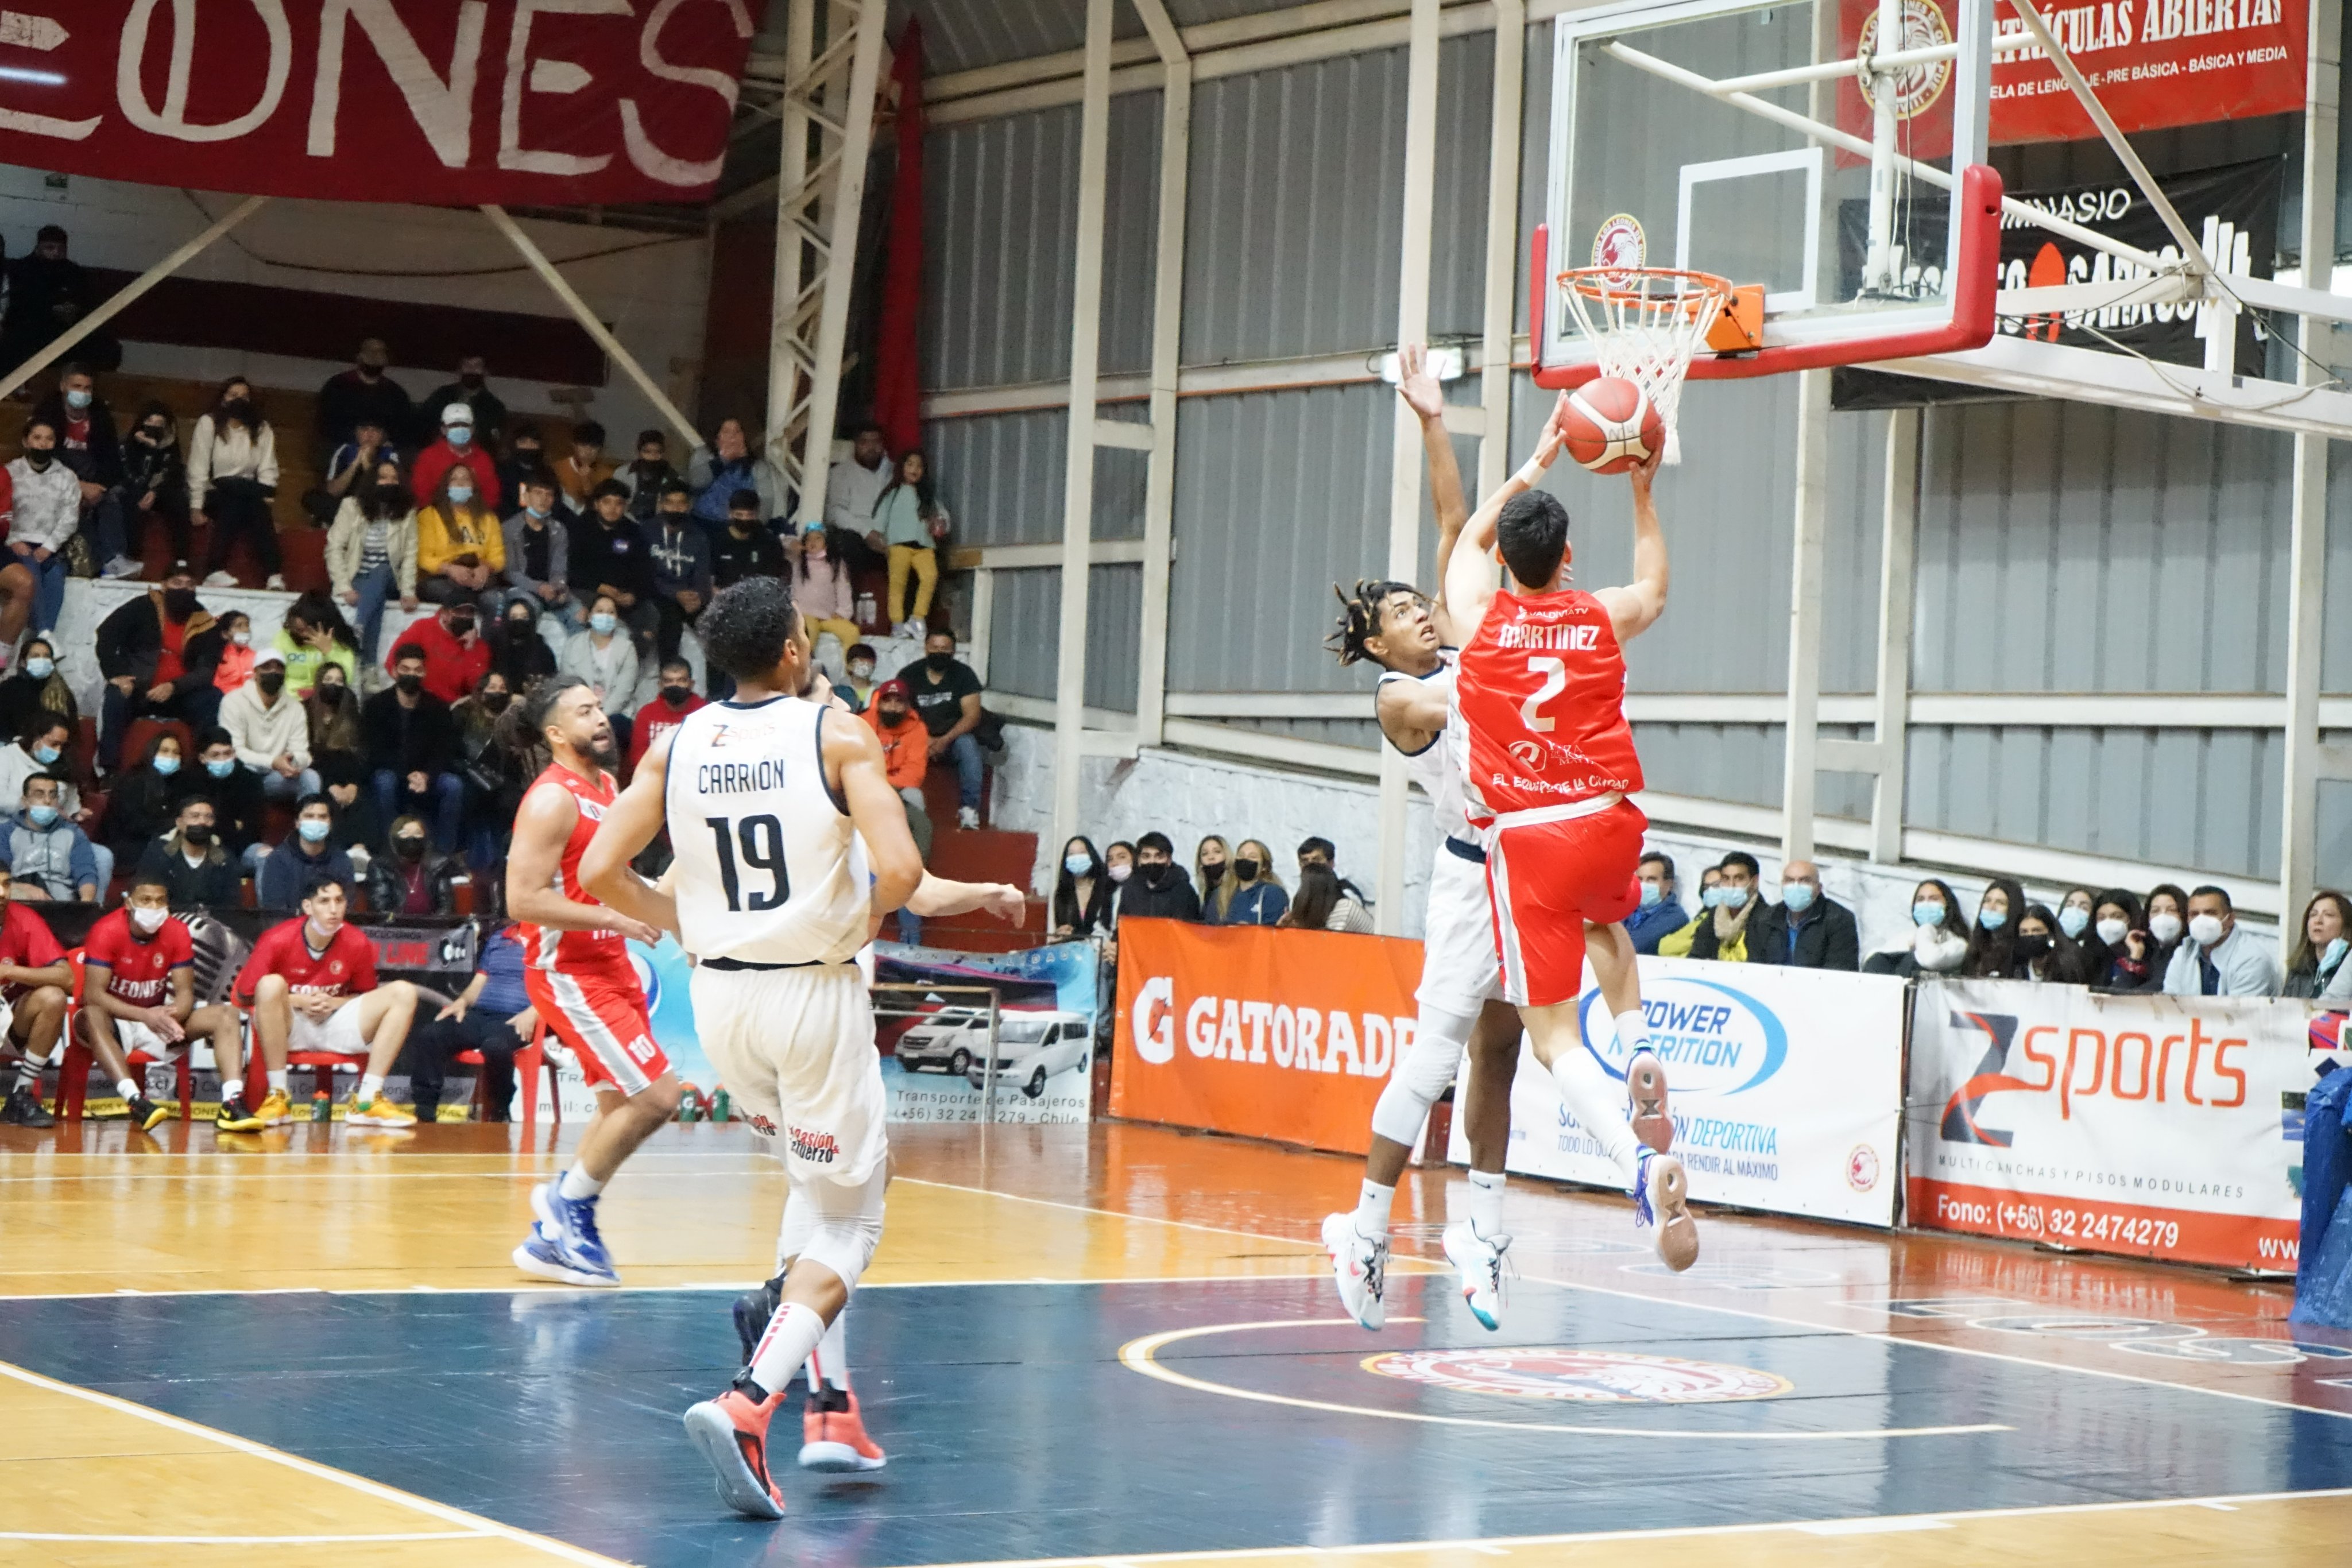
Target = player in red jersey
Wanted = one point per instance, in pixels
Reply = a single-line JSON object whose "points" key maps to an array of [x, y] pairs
{"points": [[138, 993], [34, 980], [1548, 763], [576, 969], [310, 984]]}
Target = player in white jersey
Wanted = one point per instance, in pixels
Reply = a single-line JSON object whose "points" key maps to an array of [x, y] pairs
{"points": [[774, 813], [1460, 1000]]}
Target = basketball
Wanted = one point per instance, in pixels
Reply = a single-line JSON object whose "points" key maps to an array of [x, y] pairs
{"points": [[1611, 425]]}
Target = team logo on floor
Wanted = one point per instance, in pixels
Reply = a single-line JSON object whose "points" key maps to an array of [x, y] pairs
{"points": [[1590, 1376]]}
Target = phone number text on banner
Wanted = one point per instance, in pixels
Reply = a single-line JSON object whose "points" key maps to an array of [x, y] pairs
{"points": [[1787, 1088], [2151, 1126], [1265, 1032]]}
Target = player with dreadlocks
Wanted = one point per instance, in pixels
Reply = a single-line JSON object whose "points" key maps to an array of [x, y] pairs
{"points": [[1460, 1000]]}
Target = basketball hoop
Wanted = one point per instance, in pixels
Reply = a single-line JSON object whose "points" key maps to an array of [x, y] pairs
{"points": [[1644, 323]]}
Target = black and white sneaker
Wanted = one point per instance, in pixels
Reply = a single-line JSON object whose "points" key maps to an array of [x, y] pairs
{"points": [[23, 1109]]}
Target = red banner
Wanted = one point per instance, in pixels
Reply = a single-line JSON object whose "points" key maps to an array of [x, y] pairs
{"points": [[2154, 63], [537, 102]]}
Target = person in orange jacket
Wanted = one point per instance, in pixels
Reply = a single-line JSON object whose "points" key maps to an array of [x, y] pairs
{"points": [[906, 754]]}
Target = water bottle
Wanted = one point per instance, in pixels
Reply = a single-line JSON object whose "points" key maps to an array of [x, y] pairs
{"points": [[865, 610], [322, 1106], [719, 1104]]}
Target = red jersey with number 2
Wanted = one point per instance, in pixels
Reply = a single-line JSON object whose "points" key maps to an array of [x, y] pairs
{"points": [[1541, 701], [578, 952]]}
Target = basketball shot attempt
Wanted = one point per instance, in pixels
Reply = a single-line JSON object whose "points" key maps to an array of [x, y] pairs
{"points": [[791, 845], [1548, 762]]}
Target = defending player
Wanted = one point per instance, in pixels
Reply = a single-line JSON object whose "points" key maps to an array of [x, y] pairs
{"points": [[1548, 762], [310, 982], [576, 968], [139, 994], [770, 803]]}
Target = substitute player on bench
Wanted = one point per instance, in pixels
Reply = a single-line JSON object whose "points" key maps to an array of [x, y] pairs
{"points": [[139, 994], [310, 982]]}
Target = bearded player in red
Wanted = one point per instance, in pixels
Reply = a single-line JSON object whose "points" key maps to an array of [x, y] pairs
{"points": [[1548, 763]]}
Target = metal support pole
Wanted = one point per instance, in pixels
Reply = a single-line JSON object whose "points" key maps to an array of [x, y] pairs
{"points": [[1079, 484], [530, 251], [1797, 780], [1502, 244], [1897, 574], [2307, 543], [841, 257], [130, 291], [791, 172], [1405, 472], [1166, 328], [1878, 269]]}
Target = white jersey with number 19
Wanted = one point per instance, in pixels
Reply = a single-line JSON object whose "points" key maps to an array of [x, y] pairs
{"points": [[769, 870]]}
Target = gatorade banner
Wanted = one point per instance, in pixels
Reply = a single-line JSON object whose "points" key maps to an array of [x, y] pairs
{"points": [[2154, 1126], [1786, 1087], [1260, 1030]]}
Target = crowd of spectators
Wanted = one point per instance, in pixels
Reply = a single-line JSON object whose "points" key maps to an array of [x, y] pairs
{"points": [[1229, 885]]}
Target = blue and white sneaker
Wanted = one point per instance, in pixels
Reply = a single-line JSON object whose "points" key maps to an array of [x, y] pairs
{"points": [[1646, 1100], [1479, 1261], [566, 1233], [544, 1256], [1662, 1209], [1359, 1267]]}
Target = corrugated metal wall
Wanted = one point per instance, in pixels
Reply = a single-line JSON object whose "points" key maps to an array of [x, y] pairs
{"points": [[1024, 650]]}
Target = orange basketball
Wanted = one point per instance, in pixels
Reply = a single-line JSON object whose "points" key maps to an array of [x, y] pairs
{"points": [[1611, 425]]}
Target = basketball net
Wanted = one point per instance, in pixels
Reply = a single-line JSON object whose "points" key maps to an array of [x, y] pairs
{"points": [[1644, 324]]}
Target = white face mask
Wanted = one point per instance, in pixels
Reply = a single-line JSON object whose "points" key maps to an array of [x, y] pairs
{"points": [[2164, 928], [2113, 931], [1122, 872], [2205, 929], [148, 920]]}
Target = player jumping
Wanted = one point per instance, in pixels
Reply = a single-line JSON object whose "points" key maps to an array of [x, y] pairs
{"points": [[1548, 760], [576, 968], [769, 797]]}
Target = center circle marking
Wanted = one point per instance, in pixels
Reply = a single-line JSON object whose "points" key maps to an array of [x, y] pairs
{"points": [[1582, 1376]]}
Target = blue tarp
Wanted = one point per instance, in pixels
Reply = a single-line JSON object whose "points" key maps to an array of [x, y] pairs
{"points": [[2323, 1278]]}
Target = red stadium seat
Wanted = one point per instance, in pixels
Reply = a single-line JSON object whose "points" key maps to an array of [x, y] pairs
{"points": [[528, 1062], [75, 1061]]}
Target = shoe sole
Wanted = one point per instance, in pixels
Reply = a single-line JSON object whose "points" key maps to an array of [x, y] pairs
{"points": [[837, 1458], [156, 1118], [561, 1275], [1677, 1239], [249, 1125], [1487, 1321], [712, 1431], [545, 1213], [1369, 1321], [1645, 1085]]}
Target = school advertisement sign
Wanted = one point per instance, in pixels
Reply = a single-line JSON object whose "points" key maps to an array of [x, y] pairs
{"points": [[1786, 1087], [2150, 1125], [1260, 1032]]}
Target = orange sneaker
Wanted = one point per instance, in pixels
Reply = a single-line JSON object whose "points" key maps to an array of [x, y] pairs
{"points": [[732, 1434], [833, 1436]]}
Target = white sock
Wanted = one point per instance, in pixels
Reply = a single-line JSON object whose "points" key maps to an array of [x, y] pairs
{"points": [[578, 1184], [30, 1074], [792, 1337], [830, 1364], [231, 1087], [1372, 1210], [1632, 1031], [276, 1080], [370, 1085], [1487, 1204], [1598, 1102], [126, 1087]]}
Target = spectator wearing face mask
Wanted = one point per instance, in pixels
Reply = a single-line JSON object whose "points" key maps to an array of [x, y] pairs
{"points": [[1119, 865], [34, 689], [2167, 927], [314, 635], [2316, 966], [524, 457], [1807, 929], [48, 856], [673, 700], [1992, 944], [821, 589], [744, 546], [2115, 948], [607, 555], [232, 478], [461, 549], [536, 550], [1939, 936], [144, 803], [455, 656], [2044, 953], [517, 651], [1160, 889], [363, 394], [371, 551], [46, 511], [906, 754], [191, 864], [88, 444], [234, 668], [306, 852], [271, 731], [643, 480], [604, 656], [472, 389], [2219, 959], [411, 748], [858, 661], [1082, 891], [681, 557], [238, 810], [1728, 930], [1661, 911], [457, 446], [1255, 893], [46, 747], [1209, 875], [155, 478], [157, 654], [338, 747], [2074, 914], [414, 878]]}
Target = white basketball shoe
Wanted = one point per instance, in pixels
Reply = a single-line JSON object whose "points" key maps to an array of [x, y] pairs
{"points": [[1479, 1261], [1662, 1209], [1359, 1267]]}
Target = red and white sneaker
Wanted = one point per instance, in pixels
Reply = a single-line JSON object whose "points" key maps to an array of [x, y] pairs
{"points": [[833, 1434], [732, 1432], [1645, 1094]]}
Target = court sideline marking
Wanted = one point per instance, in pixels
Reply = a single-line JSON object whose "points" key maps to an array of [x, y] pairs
{"points": [[475, 1524]]}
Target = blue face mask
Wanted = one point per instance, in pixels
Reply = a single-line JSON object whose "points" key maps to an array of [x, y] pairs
{"points": [[40, 669], [42, 815], [1651, 894], [2335, 954], [313, 829], [1731, 897], [1077, 865], [1798, 897], [601, 624], [1925, 913], [45, 755], [221, 768], [76, 399], [2074, 921], [460, 434], [167, 765], [1709, 897], [461, 494], [1992, 919]]}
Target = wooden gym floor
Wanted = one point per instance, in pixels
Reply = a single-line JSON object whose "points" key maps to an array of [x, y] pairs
{"points": [[1105, 1346]]}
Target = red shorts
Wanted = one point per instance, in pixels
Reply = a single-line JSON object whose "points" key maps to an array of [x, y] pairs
{"points": [[601, 1018], [1544, 881]]}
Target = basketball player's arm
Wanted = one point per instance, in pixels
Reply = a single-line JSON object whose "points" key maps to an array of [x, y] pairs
{"points": [[1469, 581], [631, 824], [853, 758], [1635, 607], [1426, 398], [935, 897], [534, 893]]}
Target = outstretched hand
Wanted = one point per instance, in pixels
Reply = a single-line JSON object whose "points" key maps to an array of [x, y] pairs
{"points": [[1646, 470], [1419, 388], [1006, 902]]}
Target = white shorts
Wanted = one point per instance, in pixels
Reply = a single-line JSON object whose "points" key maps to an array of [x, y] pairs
{"points": [[133, 1035], [1459, 970], [796, 1051], [338, 1033]]}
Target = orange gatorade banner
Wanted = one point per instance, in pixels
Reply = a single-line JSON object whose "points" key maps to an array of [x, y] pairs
{"points": [[1256, 1030]]}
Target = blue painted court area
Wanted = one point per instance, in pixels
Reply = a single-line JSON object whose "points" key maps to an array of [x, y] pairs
{"points": [[1014, 1430]]}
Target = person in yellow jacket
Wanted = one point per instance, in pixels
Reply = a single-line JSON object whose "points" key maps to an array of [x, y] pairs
{"points": [[461, 552], [1722, 929]]}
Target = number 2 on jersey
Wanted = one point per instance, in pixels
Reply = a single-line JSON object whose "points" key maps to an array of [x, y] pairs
{"points": [[1555, 674], [762, 840]]}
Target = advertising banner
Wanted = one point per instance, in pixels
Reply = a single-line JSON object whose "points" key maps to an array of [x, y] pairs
{"points": [[446, 102], [1048, 1017], [2154, 63], [2155, 1126], [1259, 1030], [1786, 1087]]}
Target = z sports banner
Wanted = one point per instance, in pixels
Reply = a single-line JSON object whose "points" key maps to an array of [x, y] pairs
{"points": [[2154, 63], [1260, 1030], [1786, 1087], [539, 102], [2155, 1126]]}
